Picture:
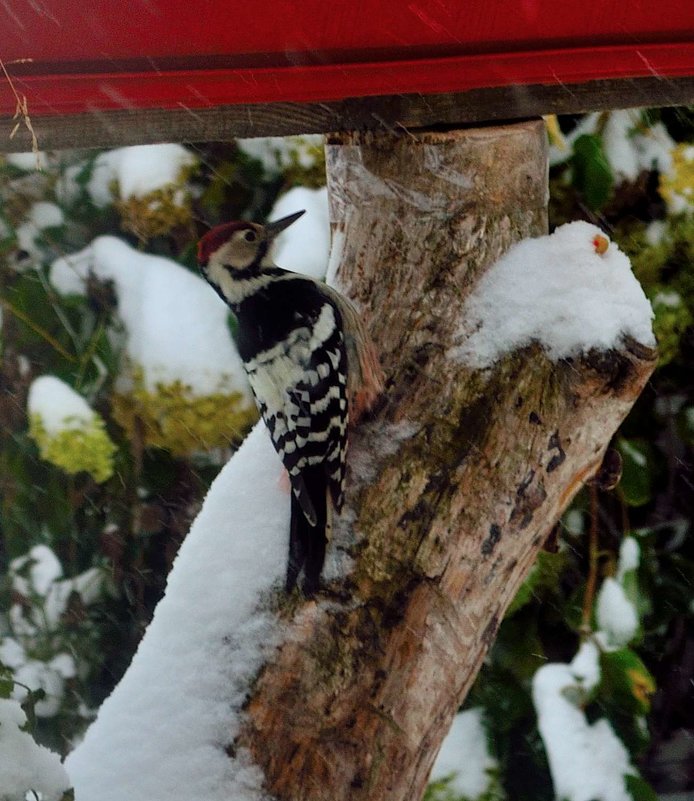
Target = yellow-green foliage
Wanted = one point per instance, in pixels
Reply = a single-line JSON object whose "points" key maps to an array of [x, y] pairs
{"points": [[672, 318], [155, 214], [158, 212], [647, 259], [85, 447], [306, 164], [677, 185], [672, 299], [173, 418]]}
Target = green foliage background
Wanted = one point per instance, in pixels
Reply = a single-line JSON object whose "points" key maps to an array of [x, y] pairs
{"points": [[130, 525]]}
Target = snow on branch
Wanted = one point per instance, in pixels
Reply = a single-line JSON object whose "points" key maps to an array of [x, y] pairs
{"points": [[167, 728], [570, 291]]}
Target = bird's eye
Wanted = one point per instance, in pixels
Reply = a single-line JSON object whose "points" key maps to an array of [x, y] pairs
{"points": [[250, 236]]}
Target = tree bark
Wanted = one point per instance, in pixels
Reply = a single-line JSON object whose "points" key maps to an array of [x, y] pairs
{"points": [[455, 481]]}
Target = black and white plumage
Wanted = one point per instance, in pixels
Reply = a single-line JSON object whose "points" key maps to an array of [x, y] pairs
{"points": [[309, 363]]}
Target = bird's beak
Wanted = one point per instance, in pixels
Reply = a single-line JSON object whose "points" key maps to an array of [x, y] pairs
{"points": [[276, 227]]}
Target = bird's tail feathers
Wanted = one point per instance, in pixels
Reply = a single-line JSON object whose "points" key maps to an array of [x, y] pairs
{"points": [[308, 540]]}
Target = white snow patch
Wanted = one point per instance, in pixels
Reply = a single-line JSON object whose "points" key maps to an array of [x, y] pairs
{"points": [[558, 291], [656, 232], [464, 753], [138, 170], [90, 586], [573, 521], [585, 666], [39, 573], [305, 245], [27, 161], [629, 557], [164, 730], [46, 215], [678, 204], [668, 298], [176, 328], [47, 676], [34, 572], [616, 615], [12, 654], [618, 145], [587, 761], [24, 764], [58, 405], [67, 188], [40, 216], [630, 147]]}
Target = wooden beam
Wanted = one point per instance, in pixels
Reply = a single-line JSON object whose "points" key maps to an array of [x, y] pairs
{"points": [[390, 112]]}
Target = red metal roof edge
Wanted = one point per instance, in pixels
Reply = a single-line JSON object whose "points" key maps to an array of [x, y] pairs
{"points": [[195, 89]]}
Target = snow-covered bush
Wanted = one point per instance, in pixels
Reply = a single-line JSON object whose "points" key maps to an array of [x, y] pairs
{"points": [[44, 649], [180, 384], [124, 390]]}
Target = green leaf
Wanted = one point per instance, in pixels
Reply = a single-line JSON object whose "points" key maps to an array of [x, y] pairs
{"points": [[543, 575], [29, 707], [626, 681], [233, 326], [507, 703], [518, 648], [6, 682], [635, 483], [639, 789], [592, 174]]}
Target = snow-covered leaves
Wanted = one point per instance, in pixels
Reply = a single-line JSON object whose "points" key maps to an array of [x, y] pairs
{"points": [[68, 432], [35, 644], [148, 184], [298, 159], [677, 181], [587, 759], [464, 768]]}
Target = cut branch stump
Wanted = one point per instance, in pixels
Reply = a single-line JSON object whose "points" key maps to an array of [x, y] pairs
{"points": [[455, 482]]}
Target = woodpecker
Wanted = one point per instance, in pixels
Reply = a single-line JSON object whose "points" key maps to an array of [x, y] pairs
{"points": [[311, 367]]}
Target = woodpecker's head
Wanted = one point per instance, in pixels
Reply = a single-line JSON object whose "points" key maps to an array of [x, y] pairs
{"points": [[238, 247]]}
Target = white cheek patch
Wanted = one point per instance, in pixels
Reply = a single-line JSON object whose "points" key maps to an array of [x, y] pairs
{"points": [[219, 276]]}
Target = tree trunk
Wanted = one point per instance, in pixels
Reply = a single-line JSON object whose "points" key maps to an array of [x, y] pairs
{"points": [[455, 482]]}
